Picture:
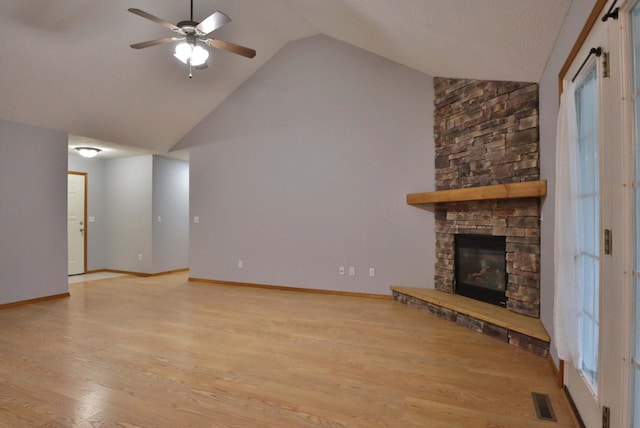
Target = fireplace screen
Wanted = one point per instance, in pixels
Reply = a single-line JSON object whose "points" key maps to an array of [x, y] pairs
{"points": [[480, 268]]}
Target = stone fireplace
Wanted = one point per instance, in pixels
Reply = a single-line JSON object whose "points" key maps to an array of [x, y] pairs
{"points": [[486, 133], [487, 188]]}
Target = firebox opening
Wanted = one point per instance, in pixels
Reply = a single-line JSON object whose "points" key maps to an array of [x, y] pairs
{"points": [[480, 268]]}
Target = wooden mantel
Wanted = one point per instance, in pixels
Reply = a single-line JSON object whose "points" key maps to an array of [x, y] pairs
{"points": [[527, 189]]}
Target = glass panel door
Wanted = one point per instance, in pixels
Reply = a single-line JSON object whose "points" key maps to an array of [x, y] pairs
{"points": [[589, 220], [587, 379], [606, 111]]}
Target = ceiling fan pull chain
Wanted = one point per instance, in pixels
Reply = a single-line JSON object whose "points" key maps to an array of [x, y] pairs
{"points": [[190, 74]]}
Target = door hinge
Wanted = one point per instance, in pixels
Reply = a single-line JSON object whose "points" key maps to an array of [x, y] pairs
{"points": [[606, 72], [606, 417], [608, 241]]}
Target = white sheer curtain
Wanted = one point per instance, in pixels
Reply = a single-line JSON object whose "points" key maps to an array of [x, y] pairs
{"points": [[568, 295]]}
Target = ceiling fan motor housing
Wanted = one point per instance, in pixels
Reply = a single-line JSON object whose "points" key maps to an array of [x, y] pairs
{"points": [[187, 27]]}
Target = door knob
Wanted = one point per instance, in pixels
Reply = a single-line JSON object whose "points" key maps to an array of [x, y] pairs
{"points": [[82, 230]]}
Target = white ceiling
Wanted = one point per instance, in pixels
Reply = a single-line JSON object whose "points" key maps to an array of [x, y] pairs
{"points": [[67, 64]]}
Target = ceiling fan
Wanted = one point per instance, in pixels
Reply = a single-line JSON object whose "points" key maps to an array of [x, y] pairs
{"points": [[193, 34]]}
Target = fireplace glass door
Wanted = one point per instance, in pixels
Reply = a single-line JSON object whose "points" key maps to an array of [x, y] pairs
{"points": [[480, 267]]}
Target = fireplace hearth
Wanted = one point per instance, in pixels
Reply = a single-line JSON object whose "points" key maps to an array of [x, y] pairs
{"points": [[480, 268]]}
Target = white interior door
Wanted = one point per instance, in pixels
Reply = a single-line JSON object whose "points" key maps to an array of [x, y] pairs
{"points": [[76, 224]]}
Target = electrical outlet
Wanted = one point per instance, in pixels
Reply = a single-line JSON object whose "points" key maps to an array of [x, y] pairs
{"points": [[196, 219], [352, 271], [140, 257], [341, 270], [240, 264], [372, 272], [159, 219]]}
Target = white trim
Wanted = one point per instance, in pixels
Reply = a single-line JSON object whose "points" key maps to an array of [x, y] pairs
{"points": [[627, 198]]}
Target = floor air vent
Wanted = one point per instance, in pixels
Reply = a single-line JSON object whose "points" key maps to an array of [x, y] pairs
{"points": [[543, 407]]}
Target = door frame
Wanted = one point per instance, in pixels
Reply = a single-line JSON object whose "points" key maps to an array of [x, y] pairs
{"points": [[630, 131], [86, 219]]}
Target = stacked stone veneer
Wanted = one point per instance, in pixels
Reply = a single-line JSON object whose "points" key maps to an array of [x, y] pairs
{"points": [[486, 132]]}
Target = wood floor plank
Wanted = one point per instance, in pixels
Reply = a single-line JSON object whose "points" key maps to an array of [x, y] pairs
{"points": [[162, 351]]}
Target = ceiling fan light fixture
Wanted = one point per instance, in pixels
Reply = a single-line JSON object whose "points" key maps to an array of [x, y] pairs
{"points": [[199, 56], [190, 52], [193, 54], [183, 52], [88, 152]]}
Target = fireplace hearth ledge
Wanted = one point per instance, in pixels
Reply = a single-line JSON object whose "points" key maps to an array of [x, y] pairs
{"points": [[519, 330]]}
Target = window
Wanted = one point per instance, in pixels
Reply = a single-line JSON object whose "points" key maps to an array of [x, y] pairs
{"points": [[586, 96]]}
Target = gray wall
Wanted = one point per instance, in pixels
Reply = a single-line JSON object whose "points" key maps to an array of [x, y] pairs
{"points": [[574, 21], [96, 231], [33, 212], [171, 204], [128, 198], [305, 168]]}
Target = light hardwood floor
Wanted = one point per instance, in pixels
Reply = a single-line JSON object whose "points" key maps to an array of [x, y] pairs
{"points": [[164, 352]]}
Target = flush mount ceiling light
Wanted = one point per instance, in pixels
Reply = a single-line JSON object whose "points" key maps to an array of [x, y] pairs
{"points": [[88, 152], [190, 33]]}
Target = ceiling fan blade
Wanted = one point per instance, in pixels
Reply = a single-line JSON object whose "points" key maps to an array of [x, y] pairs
{"points": [[156, 42], [216, 20], [153, 18], [231, 47]]}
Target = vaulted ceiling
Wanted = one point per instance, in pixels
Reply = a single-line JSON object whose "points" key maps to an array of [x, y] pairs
{"points": [[67, 64]]}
